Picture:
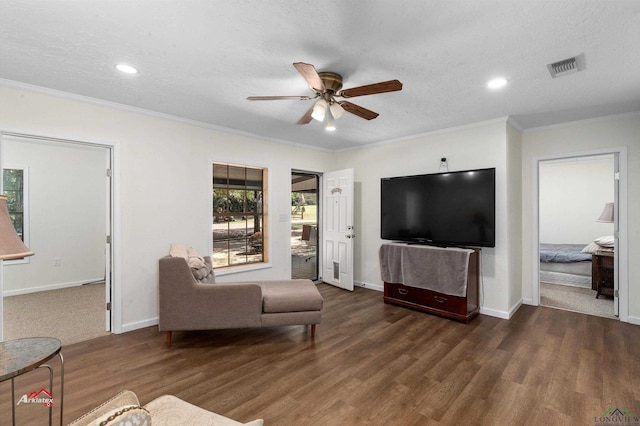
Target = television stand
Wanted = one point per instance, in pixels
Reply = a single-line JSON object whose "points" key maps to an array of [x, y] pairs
{"points": [[459, 308]]}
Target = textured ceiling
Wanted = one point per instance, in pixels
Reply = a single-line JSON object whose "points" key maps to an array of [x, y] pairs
{"points": [[200, 59]]}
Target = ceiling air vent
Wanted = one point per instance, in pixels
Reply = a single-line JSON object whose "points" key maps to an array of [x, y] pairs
{"points": [[566, 66]]}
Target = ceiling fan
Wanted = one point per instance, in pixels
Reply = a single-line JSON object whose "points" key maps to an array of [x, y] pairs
{"points": [[328, 86]]}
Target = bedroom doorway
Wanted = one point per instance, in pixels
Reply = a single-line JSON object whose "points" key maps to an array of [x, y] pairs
{"points": [[577, 224], [304, 225], [67, 205]]}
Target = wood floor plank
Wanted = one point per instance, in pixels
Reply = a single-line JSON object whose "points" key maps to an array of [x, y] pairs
{"points": [[370, 363]]}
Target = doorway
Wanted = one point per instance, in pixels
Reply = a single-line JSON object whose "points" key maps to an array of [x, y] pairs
{"points": [[68, 206], [572, 193], [304, 225]]}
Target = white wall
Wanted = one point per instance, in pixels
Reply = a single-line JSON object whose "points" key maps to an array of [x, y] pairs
{"points": [[469, 148], [572, 194], [67, 215], [514, 216], [577, 138], [162, 183], [163, 188]]}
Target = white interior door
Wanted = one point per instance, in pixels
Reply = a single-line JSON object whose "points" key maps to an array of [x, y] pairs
{"points": [[108, 248], [616, 234], [337, 228]]}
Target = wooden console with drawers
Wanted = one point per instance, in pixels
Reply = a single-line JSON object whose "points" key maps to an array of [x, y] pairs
{"points": [[454, 307]]}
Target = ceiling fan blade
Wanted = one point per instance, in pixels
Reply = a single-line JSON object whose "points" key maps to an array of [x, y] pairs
{"points": [[358, 110], [310, 74], [306, 118], [278, 98], [372, 89]]}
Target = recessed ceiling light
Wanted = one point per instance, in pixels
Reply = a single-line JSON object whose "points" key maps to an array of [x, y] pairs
{"points": [[497, 83], [127, 69]]}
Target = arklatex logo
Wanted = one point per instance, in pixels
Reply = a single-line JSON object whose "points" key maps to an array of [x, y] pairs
{"points": [[43, 396]]}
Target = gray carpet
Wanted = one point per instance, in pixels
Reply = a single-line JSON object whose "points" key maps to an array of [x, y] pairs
{"points": [[72, 314], [575, 299]]}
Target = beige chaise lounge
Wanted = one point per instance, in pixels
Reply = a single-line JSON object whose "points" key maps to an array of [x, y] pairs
{"points": [[187, 303]]}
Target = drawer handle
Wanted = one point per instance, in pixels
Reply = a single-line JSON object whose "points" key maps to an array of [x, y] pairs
{"points": [[440, 299], [402, 291]]}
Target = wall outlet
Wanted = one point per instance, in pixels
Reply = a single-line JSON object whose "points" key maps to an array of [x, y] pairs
{"points": [[57, 261]]}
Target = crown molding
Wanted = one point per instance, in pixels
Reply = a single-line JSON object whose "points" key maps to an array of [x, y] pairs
{"points": [[583, 122], [122, 107], [444, 131]]}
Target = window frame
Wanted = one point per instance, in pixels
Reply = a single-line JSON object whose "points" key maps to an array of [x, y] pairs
{"points": [[25, 209], [242, 266]]}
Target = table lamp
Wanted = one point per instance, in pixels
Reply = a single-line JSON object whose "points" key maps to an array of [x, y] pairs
{"points": [[607, 214], [11, 246]]}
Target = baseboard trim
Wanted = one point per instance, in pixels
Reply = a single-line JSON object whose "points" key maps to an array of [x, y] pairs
{"points": [[633, 320], [502, 314], [139, 324], [376, 287], [49, 287], [484, 311], [515, 308], [494, 313]]}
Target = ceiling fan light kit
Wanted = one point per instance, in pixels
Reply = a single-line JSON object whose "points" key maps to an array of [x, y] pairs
{"points": [[328, 86], [319, 110], [336, 110]]}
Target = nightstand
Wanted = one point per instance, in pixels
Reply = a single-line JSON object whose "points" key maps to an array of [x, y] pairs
{"points": [[602, 271]]}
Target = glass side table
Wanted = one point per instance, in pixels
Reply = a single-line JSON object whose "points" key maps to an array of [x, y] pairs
{"points": [[23, 355]]}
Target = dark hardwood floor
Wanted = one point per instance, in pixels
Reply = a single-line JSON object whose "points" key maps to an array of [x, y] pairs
{"points": [[370, 364]]}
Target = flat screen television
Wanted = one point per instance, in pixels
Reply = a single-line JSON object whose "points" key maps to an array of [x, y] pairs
{"points": [[444, 209]]}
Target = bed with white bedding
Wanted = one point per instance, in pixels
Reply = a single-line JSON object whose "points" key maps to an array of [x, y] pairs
{"points": [[565, 264], [570, 264]]}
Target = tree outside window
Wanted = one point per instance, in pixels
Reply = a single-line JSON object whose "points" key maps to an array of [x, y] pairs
{"points": [[238, 212], [13, 184]]}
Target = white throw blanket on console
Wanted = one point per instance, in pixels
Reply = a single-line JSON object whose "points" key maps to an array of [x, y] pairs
{"points": [[433, 268]]}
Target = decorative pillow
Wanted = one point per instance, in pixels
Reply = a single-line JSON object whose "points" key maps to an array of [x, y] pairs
{"points": [[201, 267], [122, 399], [205, 275], [200, 273], [187, 253], [125, 416], [606, 241], [178, 250], [209, 279], [195, 260], [169, 410]]}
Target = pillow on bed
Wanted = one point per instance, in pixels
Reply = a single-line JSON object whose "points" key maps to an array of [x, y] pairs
{"points": [[590, 248], [606, 241], [593, 248]]}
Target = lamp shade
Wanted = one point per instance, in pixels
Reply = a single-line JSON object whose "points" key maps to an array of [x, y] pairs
{"points": [[607, 214], [11, 246]]}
